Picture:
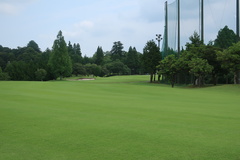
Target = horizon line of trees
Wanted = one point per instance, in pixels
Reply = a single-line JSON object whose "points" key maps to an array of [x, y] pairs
{"points": [[198, 64], [63, 60]]}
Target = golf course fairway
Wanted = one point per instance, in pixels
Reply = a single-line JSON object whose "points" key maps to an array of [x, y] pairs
{"points": [[118, 118]]}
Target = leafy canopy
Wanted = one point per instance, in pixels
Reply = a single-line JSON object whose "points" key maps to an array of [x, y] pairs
{"points": [[225, 38], [59, 61], [151, 57]]}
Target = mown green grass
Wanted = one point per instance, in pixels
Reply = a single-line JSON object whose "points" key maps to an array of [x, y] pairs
{"points": [[118, 118]]}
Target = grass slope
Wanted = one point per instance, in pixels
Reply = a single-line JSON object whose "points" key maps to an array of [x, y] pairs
{"points": [[118, 118]]}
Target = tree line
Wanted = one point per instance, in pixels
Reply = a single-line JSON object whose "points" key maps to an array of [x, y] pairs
{"points": [[63, 60], [198, 64], [216, 62]]}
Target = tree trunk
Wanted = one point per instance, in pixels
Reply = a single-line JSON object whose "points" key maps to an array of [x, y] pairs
{"points": [[236, 77], [187, 79], [151, 77], [159, 77], [163, 78], [214, 79], [227, 80], [199, 81], [177, 78], [173, 80], [193, 80]]}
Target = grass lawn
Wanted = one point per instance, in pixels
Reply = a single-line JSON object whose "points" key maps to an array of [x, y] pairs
{"points": [[118, 118]]}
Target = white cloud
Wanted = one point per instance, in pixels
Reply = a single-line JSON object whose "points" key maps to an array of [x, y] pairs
{"points": [[13, 7], [84, 25], [9, 9], [79, 29]]}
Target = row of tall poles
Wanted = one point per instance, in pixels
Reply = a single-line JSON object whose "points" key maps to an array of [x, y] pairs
{"points": [[159, 38], [201, 26], [238, 22]]}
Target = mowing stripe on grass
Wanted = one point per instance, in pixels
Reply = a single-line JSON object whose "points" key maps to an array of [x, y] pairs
{"points": [[110, 118]]}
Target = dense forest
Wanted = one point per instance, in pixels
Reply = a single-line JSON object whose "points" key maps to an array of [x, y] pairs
{"points": [[30, 63], [198, 63]]}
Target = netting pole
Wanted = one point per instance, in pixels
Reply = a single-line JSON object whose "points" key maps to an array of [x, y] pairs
{"points": [[202, 21], [178, 27], [238, 34], [237, 24], [166, 29]]}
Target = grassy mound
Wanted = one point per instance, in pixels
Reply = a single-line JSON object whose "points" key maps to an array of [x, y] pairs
{"points": [[118, 118]]}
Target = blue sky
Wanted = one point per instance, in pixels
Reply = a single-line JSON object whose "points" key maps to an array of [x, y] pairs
{"points": [[94, 23]]}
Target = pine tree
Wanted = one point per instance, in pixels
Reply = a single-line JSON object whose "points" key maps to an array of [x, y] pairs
{"points": [[59, 61], [70, 49], [151, 57], [76, 54], [225, 38], [99, 56], [78, 50], [117, 51], [132, 60]]}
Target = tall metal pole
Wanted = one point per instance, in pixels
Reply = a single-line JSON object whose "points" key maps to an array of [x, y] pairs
{"points": [[166, 29], [159, 38], [238, 35], [202, 21], [238, 23], [178, 28]]}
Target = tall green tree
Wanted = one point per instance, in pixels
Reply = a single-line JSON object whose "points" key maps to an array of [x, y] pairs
{"points": [[34, 46], [196, 49], [169, 68], [117, 68], [86, 60], [117, 51], [195, 41], [77, 49], [40, 74], [210, 54], [74, 52], [93, 69], [225, 38], [98, 56], [17, 70], [79, 69], [29, 55], [44, 59], [78, 53], [207, 52], [5, 58], [59, 61], [132, 60], [200, 68], [70, 48], [151, 57], [3, 76], [230, 59]]}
